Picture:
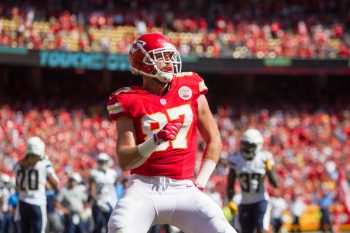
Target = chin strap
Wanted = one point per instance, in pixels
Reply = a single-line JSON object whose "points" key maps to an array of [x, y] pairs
{"points": [[162, 77]]}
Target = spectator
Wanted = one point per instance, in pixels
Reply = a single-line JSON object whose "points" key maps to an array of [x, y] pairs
{"points": [[54, 220], [326, 200], [297, 208], [71, 202], [6, 220], [278, 208], [102, 192]]}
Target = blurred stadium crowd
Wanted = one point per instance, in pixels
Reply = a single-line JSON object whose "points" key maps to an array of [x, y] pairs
{"points": [[310, 147], [242, 29]]}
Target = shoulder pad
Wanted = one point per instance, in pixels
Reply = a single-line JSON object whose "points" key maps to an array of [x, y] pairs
{"points": [[47, 161], [121, 90], [113, 172], [92, 173], [233, 159], [184, 74], [267, 154], [114, 107], [194, 80]]}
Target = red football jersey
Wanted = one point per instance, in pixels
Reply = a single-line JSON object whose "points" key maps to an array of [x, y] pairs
{"points": [[150, 112]]}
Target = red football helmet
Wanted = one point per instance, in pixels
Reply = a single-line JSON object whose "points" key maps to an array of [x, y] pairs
{"points": [[151, 49]]}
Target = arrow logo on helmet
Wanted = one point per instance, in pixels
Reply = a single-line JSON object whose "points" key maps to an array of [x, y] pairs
{"points": [[137, 44]]}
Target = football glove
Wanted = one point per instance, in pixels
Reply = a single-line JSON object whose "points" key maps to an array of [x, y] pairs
{"points": [[268, 165], [167, 133], [233, 207]]}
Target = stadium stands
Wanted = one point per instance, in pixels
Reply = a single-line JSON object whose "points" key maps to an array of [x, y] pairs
{"points": [[301, 30]]}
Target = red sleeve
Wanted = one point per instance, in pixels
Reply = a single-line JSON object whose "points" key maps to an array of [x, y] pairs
{"points": [[193, 81], [114, 105], [202, 88]]}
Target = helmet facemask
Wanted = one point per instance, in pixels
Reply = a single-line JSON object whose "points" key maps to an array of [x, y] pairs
{"points": [[251, 143], [103, 161], [103, 164], [249, 150], [160, 55]]}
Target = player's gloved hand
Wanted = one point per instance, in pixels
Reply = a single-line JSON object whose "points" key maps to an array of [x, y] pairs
{"points": [[233, 207], [268, 165], [167, 133]]}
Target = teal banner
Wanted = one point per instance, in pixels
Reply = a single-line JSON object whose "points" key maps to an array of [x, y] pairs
{"points": [[9, 50], [92, 61], [280, 62], [203, 65]]}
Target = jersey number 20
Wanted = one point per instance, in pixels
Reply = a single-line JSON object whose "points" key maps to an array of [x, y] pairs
{"points": [[28, 179]]}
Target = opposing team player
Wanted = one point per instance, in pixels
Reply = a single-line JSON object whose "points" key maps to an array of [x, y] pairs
{"points": [[32, 173], [102, 192], [156, 128], [250, 166]]}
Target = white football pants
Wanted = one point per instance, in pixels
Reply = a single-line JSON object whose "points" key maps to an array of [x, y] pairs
{"points": [[160, 200]]}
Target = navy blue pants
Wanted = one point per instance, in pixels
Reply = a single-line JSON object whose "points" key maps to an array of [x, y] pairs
{"points": [[70, 226], [33, 218], [100, 219], [276, 224], [7, 223], [251, 216]]}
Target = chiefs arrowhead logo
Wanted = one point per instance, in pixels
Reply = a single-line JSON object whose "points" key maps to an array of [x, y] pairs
{"points": [[136, 46], [185, 93]]}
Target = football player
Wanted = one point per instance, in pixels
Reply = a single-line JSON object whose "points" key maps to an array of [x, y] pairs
{"points": [[32, 173], [102, 191], [6, 224], [71, 201], [156, 127], [250, 166]]}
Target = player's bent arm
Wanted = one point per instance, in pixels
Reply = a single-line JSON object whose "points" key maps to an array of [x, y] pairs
{"points": [[53, 181], [128, 153], [209, 130], [272, 177], [92, 189], [2, 201], [230, 184], [210, 133]]}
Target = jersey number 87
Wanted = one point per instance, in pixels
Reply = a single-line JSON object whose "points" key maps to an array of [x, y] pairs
{"points": [[154, 122]]}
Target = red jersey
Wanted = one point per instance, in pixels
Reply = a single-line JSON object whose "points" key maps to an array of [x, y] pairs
{"points": [[150, 112]]}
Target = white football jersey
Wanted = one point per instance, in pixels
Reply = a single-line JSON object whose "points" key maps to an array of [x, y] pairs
{"points": [[105, 185], [31, 181], [278, 205], [251, 174], [4, 196]]}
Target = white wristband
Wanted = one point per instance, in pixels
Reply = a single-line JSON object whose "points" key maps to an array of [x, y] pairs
{"points": [[207, 168], [146, 148]]}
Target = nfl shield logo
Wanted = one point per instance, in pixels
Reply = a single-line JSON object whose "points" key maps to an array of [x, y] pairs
{"points": [[162, 101]]}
